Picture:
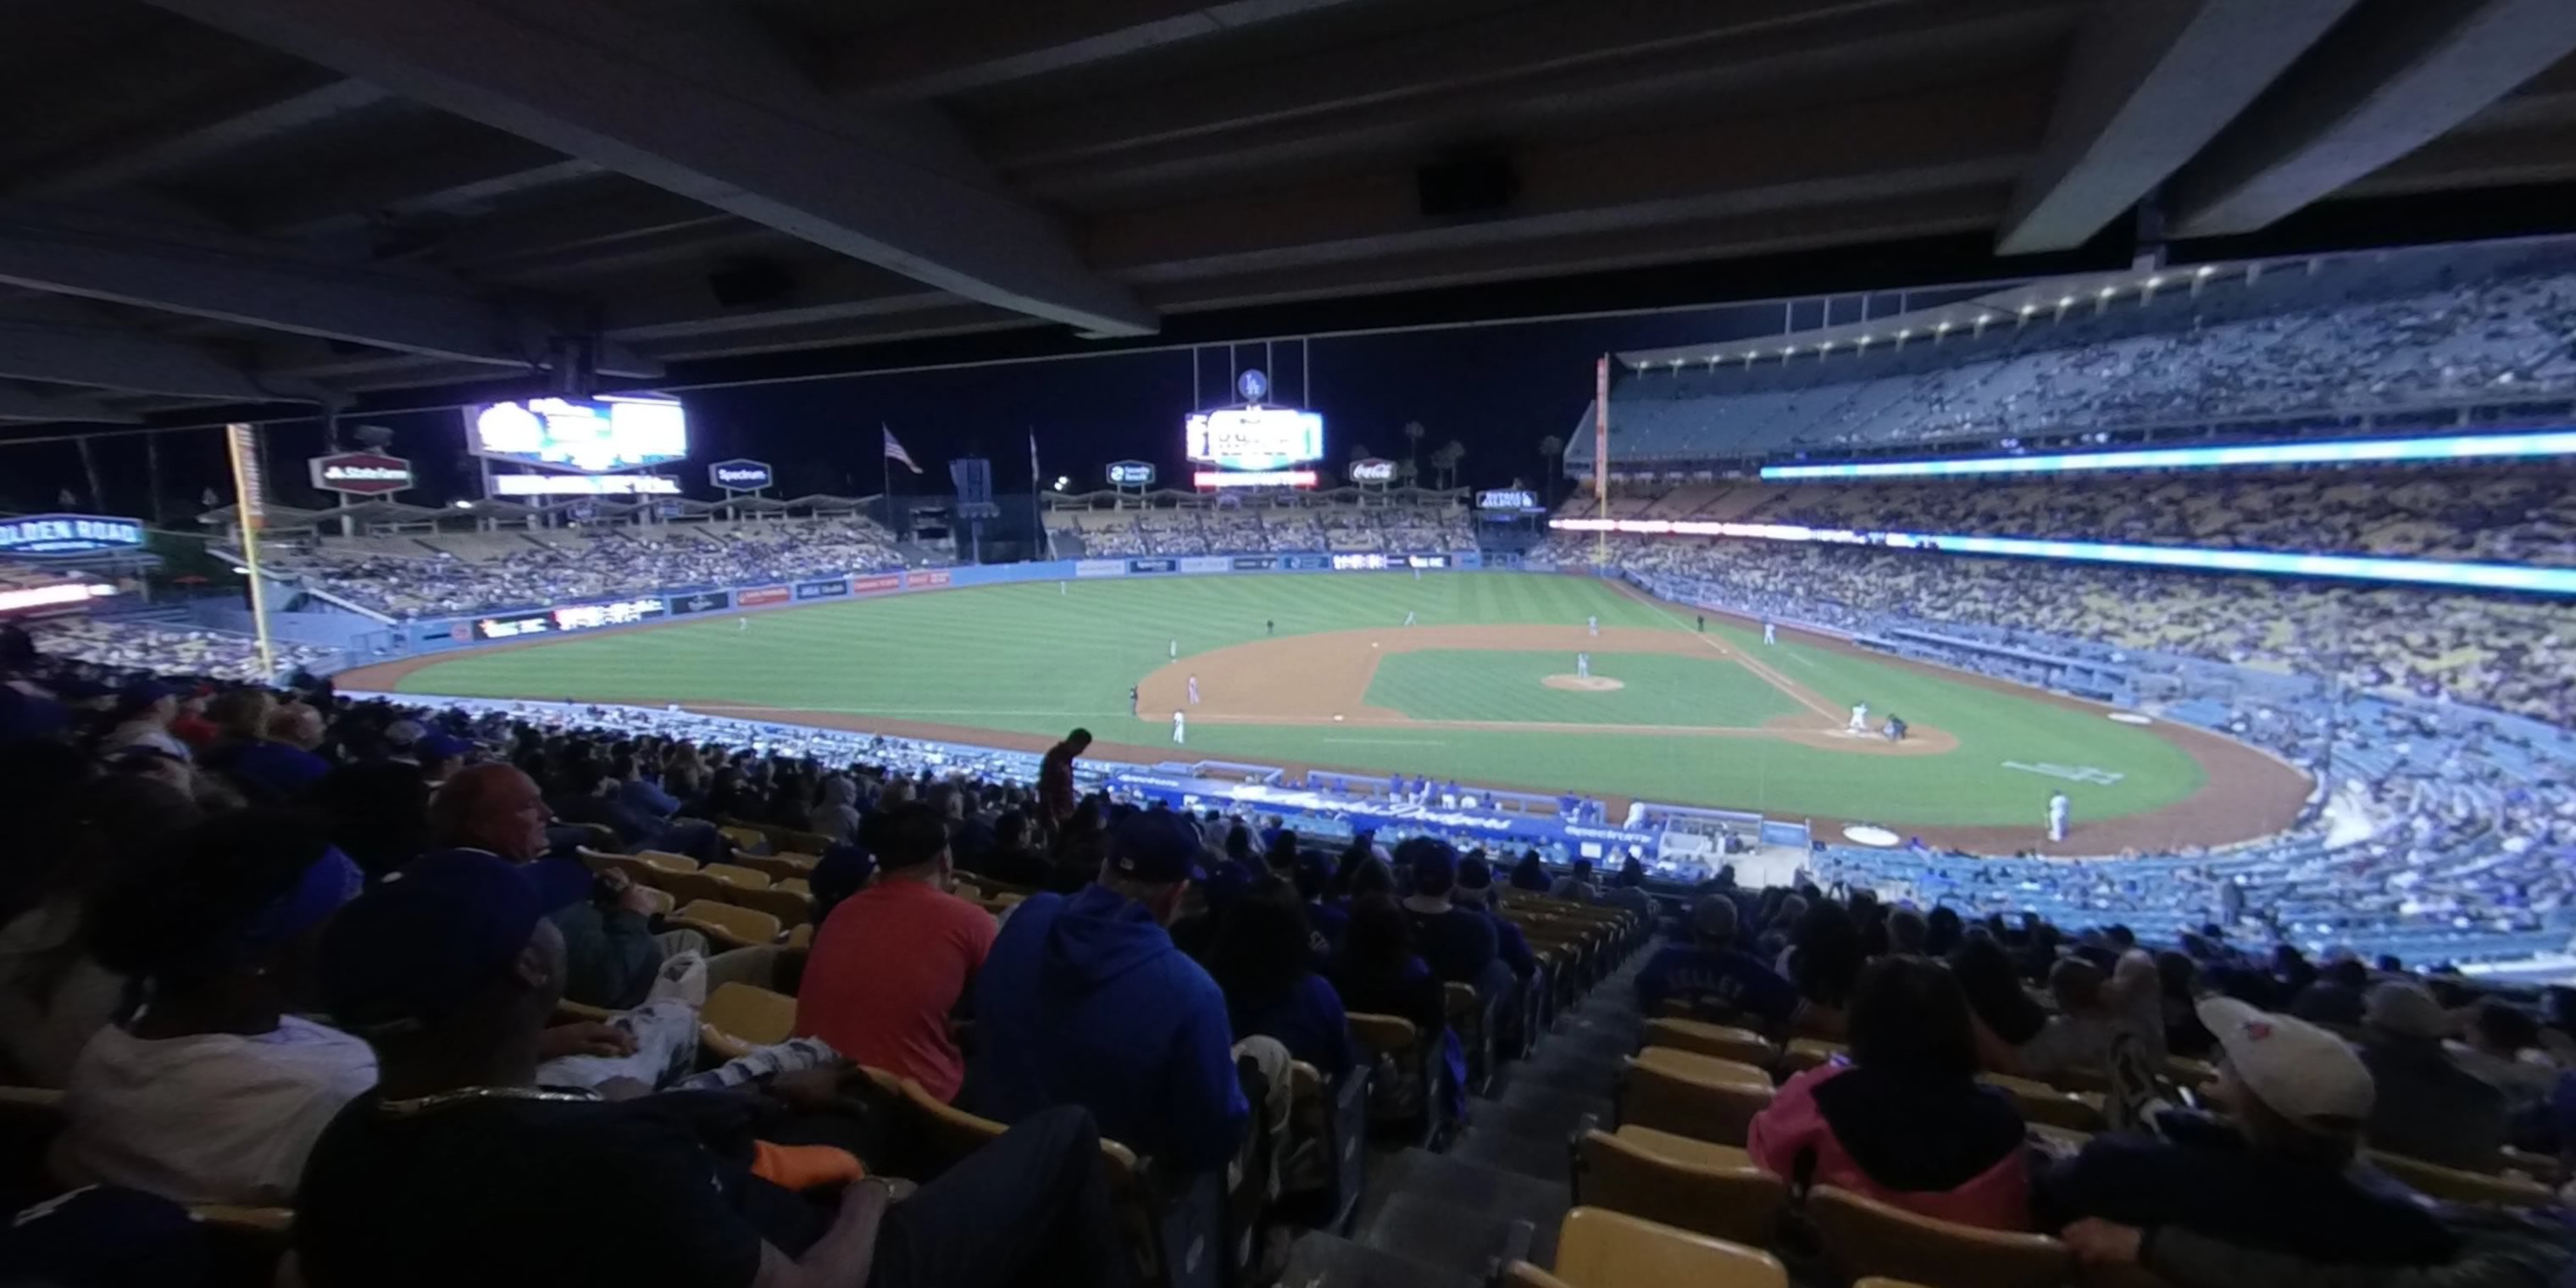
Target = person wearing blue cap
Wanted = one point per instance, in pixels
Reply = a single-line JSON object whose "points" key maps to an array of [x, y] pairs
{"points": [[1460, 944], [1084, 1000], [459, 1168], [440, 756], [215, 1090]]}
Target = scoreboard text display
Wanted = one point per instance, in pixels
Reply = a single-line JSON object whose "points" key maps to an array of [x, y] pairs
{"points": [[1255, 438]]}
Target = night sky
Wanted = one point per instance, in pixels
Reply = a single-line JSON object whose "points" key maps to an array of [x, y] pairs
{"points": [[1497, 389]]}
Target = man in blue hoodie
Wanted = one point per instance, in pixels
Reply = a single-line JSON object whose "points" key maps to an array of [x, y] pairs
{"points": [[1084, 1001]]}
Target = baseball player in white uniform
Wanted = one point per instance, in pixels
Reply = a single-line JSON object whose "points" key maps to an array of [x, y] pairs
{"points": [[1408, 617], [1180, 728], [1859, 718], [1176, 650], [1194, 690], [1770, 632], [2058, 806], [1593, 624], [1583, 665]]}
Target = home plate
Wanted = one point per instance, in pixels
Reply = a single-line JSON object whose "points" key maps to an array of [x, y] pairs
{"points": [[2130, 717]]}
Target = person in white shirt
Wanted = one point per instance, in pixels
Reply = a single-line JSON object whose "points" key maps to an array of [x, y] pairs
{"points": [[214, 1092], [2058, 807], [1180, 728]]}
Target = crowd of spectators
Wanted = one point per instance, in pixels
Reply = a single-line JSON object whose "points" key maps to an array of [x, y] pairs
{"points": [[2352, 336], [133, 645], [1396, 529], [2522, 514], [499, 570]]}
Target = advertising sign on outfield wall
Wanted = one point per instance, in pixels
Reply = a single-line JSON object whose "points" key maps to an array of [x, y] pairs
{"points": [[880, 584], [1151, 565], [762, 596], [1305, 563], [1099, 567], [833, 589], [1254, 563], [704, 601], [575, 617], [927, 580], [1207, 563]]}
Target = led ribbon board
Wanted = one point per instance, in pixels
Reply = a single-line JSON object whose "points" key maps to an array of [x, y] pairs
{"points": [[2415, 572], [2458, 447]]}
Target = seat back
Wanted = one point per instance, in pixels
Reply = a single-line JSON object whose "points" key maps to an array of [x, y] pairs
{"points": [[1466, 1012], [740, 1017], [1653, 1093], [1725, 1199], [1743, 1046], [746, 838], [776, 867], [729, 926], [1862, 1236], [2457, 1186], [1598, 1248], [667, 861], [1521, 1274], [749, 878], [1803, 1054], [1707, 1068], [694, 887], [2044, 1104], [791, 907]]}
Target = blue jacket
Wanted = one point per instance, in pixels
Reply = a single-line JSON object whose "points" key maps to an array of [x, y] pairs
{"points": [[1308, 1020], [1084, 1001]]}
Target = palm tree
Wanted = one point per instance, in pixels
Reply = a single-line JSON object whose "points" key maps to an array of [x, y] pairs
{"points": [[1447, 458], [1551, 456], [1413, 432]]}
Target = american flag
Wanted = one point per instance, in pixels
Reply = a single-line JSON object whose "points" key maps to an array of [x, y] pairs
{"points": [[894, 451]]}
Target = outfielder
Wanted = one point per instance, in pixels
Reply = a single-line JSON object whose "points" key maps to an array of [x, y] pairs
{"points": [[1180, 729], [1770, 633]]}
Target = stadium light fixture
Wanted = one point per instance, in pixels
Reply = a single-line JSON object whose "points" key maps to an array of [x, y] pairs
{"points": [[465, 505], [2154, 282], [2367, 451], [2205, 270]]}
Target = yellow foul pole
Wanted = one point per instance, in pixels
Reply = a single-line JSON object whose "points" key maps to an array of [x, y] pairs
{"points": [[250, 506]]}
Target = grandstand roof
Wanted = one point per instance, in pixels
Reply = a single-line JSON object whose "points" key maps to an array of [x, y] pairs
{"points": [[221, 207]]}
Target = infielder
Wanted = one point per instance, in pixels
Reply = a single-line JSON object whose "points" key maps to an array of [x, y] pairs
{"points": [[1180, 729], [1408, 617], [1859, 718], [742, 623], [1583, 665], [1194, 690], [2057, 809], [1176, 650], [1770, 633], [1131, 700], [1593, 624]]}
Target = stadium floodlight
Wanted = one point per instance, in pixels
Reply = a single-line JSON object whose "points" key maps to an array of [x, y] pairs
{"points": [[2155, 281], [2274, 563], [2363, 451], [2066, 301], [2109, 291], [2028, 309], [2205, 270]]}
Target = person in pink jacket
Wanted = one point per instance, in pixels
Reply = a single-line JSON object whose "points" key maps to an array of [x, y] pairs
{"points": [[1905, 1121]]}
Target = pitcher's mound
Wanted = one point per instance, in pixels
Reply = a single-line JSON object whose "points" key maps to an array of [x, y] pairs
{"points": [[1584, 683]]}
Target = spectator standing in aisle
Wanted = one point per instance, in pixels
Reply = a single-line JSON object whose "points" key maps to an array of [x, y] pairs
{"points": [[1056, 795]]}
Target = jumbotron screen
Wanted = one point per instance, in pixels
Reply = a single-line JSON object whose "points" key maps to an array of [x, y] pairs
{"points": [[1255, 438], [593, 435]]}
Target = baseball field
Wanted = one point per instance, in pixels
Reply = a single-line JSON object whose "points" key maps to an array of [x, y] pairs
{"points": [[1501, 681]]}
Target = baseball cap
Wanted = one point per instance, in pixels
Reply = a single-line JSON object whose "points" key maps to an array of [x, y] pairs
{"points": [[1156, 847], [1715, 916], [422, 943], [1474, 873], [2299, 1071], [2404, 1010], [404, 732], [1433, 861], [430, 748]]}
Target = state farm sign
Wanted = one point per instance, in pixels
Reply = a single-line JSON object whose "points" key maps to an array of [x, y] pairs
{"points": [[361, 473]]}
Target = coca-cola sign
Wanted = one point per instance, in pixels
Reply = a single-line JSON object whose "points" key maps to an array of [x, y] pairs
{"points": [[361, 473]]}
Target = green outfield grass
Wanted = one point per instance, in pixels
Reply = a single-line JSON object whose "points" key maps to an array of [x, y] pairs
{"points": [[1662, 689], [1037, 658]]}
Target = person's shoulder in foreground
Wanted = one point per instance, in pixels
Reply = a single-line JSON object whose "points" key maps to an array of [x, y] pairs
{"points": [[2281, 1178]]}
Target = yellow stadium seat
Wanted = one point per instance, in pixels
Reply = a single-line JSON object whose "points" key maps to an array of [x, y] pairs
{"points": [[2458, 1186], [1865, 1237], [737, 874], [1691, 1095], [2044, 1104], [797, 884], [791, 907], [1743, 1046], [802, 936], [727, 925], [739, 1018], [748, 838], [667, 861], [1598, 1248], [1803, 1054], [1709, 1189], [777, 867], [693, 887]]}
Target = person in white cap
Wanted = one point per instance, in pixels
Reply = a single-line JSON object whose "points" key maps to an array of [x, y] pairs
{"points": [[2429, 1108], [2278, 1176]]}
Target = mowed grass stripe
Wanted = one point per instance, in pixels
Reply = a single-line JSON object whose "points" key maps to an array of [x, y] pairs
{"points": [[1030, 658]]}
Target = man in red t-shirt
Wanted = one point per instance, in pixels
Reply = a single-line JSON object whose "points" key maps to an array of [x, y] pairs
{"points": [[1056, 797], [891, 961]]}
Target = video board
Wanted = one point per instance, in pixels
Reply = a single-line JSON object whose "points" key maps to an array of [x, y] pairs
{"points": [[1255, 438], [592, 435]]}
